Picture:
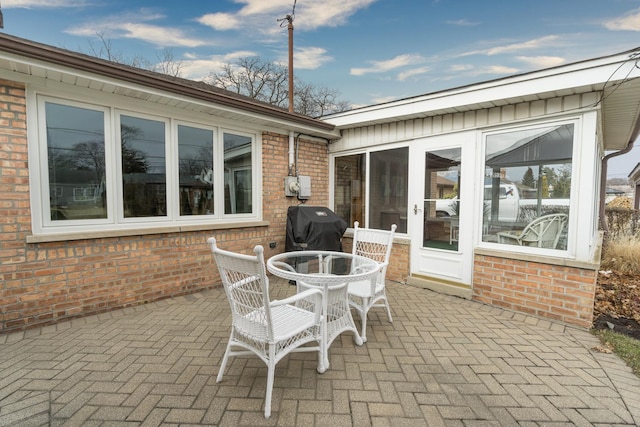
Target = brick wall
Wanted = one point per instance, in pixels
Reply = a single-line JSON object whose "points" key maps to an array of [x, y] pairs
{"points": [[556, 292], [44, 283]]}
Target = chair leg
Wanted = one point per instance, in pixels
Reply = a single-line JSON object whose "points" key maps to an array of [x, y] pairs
{"points": [[386, 304], [363, 318], [225, 358], [267, 401], [323, 355]]}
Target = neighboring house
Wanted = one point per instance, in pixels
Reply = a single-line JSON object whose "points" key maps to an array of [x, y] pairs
{"points": [[112, 178], [545, 131], [634, 177], [612, 193]]}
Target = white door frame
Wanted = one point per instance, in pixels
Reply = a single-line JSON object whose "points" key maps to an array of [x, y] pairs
{"points": [[452, 266]]}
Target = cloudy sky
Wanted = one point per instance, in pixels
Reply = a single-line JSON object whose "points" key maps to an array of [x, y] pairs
{"points": [[371, 51]]}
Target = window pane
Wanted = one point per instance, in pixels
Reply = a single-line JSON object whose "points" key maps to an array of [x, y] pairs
{"points": [[238, 191], [388, 189], [348, 190], [441, 202], [143, 167], [195, 152], [527, 187], [76, 160]]}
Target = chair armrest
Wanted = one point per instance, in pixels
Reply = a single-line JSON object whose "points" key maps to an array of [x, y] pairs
{"points": [[509, 237], [310, 300]]}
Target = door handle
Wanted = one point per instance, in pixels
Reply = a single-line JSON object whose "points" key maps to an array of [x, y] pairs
{"points": [[416, 209]]}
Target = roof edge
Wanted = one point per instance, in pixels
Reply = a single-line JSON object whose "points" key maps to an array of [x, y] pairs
{"points": [[42, 52]]}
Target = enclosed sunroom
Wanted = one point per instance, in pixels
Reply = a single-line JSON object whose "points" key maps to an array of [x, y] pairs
{"points": [[495, 186]]}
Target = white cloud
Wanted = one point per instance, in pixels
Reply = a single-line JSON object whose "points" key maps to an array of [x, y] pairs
{"points": [[195, 68], [413, 72], [34, 4], [310, 58], [542, 61], [629, 22], [456, 68], [388, 65], [496, 69], [134, 26], [261, 15], [220, 21], [160, 36], [541, 42]]}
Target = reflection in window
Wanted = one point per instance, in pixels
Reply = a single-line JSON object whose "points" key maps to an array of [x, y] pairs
{"points": [[388, 181], [527, 187], [441, 201], [195, 166], [76, 162], [348, 189], [238, 188], [143, 167]]}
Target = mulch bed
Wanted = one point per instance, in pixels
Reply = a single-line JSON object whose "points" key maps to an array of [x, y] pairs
{"points": [[617, 304]]}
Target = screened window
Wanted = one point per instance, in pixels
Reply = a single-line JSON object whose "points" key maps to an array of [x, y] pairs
{"points": [[96, 179], [348, 188], [527, 187], [386, 186]]}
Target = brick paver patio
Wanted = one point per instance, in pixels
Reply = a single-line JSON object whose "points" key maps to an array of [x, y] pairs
{"points": [[444, 361]]}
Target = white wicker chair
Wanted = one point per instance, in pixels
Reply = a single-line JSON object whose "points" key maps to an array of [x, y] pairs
{"points": [[543, 232], [268, 329], [363, 295]]}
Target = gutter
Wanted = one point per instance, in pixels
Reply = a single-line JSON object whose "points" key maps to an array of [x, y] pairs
{"points": [[42, 52], [603, 177]]}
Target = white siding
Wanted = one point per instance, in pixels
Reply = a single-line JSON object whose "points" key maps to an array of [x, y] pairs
{"points": [[405, 130]]}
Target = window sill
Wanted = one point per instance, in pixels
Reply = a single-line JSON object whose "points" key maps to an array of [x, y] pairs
{"points": [[87, 235], [559, 260]]}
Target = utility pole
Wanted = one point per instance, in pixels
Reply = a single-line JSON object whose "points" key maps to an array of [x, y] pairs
{"points": [[289, 19], [290, 27]]}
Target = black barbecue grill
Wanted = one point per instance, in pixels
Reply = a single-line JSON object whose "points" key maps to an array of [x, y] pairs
{"points": [[313, 228]]}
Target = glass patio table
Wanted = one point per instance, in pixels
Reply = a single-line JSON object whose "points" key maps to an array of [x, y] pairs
{"points": [[330, 272]]}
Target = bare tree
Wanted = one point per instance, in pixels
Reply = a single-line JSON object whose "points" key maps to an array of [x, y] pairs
{"points": [[167, 64], [255, 78], [267, 81], [106, 51]]}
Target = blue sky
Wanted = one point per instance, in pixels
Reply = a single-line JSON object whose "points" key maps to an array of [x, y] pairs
{"points": [[372, 51]]}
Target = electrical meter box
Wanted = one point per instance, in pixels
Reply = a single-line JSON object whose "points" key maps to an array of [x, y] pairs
{"points": [[305, 187], [297, 186]]}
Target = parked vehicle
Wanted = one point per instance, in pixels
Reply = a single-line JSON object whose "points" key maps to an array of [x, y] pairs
{"points": [[511, 208]]}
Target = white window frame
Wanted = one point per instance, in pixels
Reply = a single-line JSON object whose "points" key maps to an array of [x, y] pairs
{"points": [[42, 225], [573, 199], [367, 155]]}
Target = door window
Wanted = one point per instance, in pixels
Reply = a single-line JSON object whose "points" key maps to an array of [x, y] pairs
{"points": [[441, 199]]}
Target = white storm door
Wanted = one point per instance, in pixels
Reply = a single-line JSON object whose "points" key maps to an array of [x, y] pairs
{"points": [[441, 207]]}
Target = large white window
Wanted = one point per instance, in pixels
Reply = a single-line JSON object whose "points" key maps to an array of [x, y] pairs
{"points": [[149, 170], [527, 186]]}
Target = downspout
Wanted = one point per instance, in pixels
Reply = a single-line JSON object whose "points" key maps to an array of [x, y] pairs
{"points": [[603, 183], [291, 153]]}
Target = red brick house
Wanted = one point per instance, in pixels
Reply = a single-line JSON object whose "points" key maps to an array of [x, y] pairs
{"points": [[112, 178]]}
